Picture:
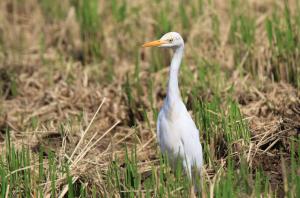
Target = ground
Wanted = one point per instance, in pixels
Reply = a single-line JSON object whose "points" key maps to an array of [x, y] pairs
{"points": [[75, 82]]}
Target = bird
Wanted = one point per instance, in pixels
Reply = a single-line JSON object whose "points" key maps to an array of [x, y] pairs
{"points": [[177, 134]]}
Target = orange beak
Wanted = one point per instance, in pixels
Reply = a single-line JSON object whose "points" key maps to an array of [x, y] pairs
{"points": [[154, 43]]}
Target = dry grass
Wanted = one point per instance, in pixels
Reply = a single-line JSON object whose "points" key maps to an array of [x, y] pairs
{"points": [[51, 87]]}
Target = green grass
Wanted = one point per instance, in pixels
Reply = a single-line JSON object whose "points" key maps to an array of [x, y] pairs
{"points": [[87, 13], [283, 36], [111, 35], [119, 10], [24, 175], [53, 10], [282, 32]]}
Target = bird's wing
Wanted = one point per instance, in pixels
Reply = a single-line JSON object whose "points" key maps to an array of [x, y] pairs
{"points": [[191, 143], [158, 127]]}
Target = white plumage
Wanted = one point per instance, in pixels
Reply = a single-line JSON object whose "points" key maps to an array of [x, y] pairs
{"points": [[177, 133]]}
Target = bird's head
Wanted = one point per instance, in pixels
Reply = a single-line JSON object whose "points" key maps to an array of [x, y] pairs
{"points": [[168, 40]]}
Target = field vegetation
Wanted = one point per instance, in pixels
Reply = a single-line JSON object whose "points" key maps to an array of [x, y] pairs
{"points": [[79, 97]]}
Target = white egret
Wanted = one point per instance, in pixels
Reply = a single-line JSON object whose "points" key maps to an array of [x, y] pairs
{"points": [[177, 133]]}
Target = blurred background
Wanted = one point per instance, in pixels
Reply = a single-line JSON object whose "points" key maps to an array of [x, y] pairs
{"points": [[61, 59]]}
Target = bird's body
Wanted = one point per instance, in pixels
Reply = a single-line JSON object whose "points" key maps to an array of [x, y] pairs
{"points": [[178, 136], [177, 133]]}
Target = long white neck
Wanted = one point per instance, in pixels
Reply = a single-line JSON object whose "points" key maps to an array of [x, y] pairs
{"points": [[173, 92]]}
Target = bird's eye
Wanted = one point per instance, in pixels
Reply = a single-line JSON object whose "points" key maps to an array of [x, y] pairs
{"points": [[171, 40]]}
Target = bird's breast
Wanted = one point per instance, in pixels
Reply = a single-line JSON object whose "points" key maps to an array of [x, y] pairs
{"points": [[172, 111], [169, 131]]}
